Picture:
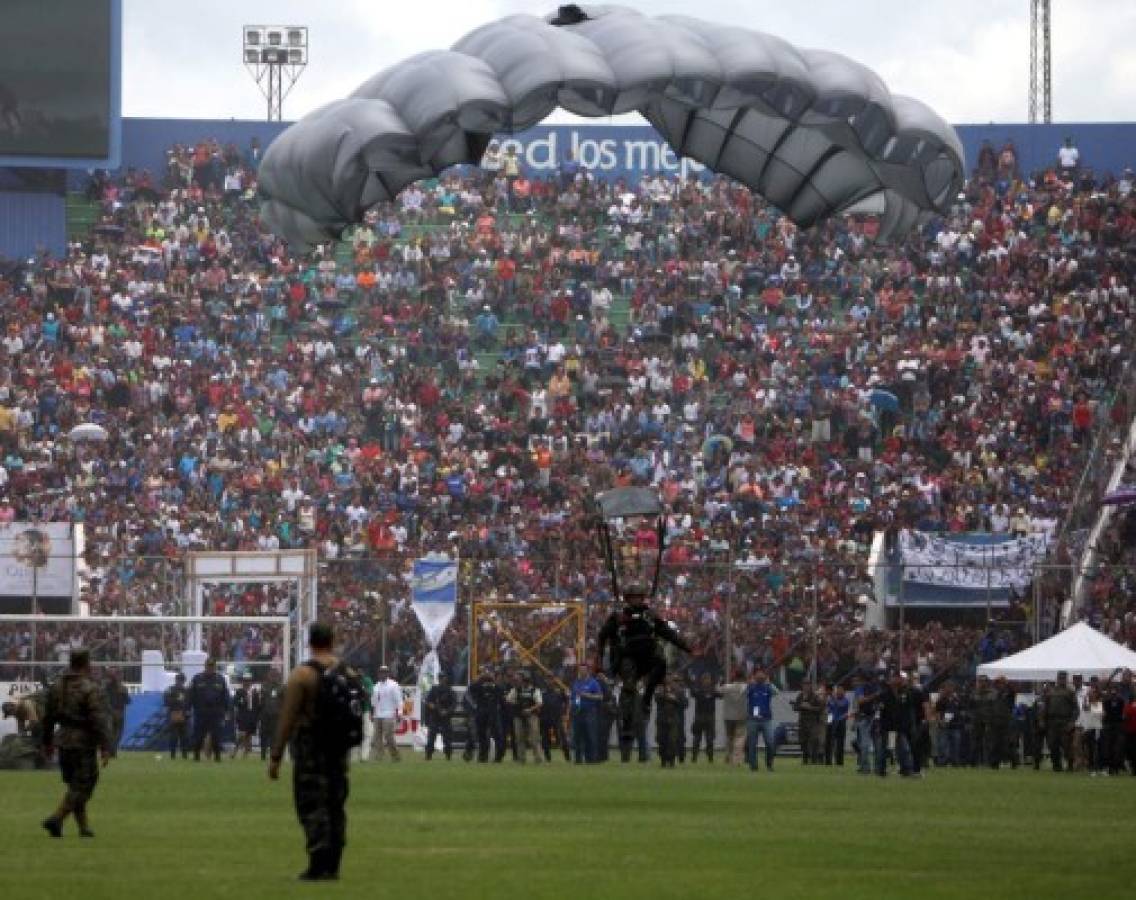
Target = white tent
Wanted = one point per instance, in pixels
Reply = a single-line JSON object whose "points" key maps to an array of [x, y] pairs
{"points": [[1079, 650]]}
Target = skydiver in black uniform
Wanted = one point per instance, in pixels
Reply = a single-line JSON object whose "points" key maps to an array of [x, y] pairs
{"points": [[633, 634]]}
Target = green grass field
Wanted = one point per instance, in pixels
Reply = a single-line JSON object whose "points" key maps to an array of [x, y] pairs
{"points": [[438, 830]]}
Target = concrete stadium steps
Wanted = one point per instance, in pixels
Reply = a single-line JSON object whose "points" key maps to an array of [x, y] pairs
{"points": [[620, 313], [82, 216], [145, 724]]}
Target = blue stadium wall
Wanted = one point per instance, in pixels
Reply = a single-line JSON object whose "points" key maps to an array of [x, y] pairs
{"points": [[630, 151], [28, 221]]}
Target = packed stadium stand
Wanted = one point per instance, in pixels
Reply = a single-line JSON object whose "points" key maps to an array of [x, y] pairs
{"points": [[462, 373]]}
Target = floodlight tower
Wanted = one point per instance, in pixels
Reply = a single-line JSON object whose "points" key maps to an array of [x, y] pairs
{"points": [[1040, 87], [276, 56]]}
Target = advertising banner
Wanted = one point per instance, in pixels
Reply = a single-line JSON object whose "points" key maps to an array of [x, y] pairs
{"points": [[37, 560]]}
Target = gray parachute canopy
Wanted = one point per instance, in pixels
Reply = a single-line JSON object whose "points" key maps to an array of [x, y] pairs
{"points": [[813, 132]]}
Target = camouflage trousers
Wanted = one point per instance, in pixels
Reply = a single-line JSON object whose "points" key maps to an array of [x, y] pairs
{"points": [[80, 770], [319, 787]]}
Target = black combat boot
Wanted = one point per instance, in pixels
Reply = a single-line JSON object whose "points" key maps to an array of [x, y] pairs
{"points": [[318, 867]]}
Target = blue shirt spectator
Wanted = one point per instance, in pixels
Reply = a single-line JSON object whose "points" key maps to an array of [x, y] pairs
{"points": [[760, 698], [838, 708], [586, 693]]}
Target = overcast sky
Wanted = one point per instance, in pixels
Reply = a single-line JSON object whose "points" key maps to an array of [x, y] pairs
{"points": [[968, 59]]}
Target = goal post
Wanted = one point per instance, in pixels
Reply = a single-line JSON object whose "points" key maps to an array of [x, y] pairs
{"points": [[77, 623], [213, 567], [158, 647]]}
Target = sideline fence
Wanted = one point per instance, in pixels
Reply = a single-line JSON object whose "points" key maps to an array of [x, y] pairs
{"points": [[807, 618]]}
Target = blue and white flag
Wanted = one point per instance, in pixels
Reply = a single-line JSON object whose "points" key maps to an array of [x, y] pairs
{"points": [[434, 599], [434, 594]]}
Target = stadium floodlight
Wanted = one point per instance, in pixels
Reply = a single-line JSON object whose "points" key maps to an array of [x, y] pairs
{"points": [[276, 56]]}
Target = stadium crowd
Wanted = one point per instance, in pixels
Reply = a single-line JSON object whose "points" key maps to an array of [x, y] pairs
{"points": [[466, 370]]}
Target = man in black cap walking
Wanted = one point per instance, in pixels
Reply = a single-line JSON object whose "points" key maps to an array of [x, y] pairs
{"points": [[319, 757]]}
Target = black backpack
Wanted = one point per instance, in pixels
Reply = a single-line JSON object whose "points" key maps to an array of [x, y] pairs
{"points": [[339, 706]]}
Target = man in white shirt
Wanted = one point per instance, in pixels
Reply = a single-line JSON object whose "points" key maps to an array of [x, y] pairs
{"points": [[1068, 156], [386, 703]]}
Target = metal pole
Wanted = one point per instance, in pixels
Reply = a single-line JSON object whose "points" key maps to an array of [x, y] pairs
{"points": [[35, 611], [286, 657], [471, 650], [899, 597], [728, 658], [816, 624], [989, 613]]}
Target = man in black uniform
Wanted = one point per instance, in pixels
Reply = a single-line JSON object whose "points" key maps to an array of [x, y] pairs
{"points": [[909, 726], [246, 715], [118, 698], [810, 723], [319, 783], [982, 713], [669, 708], [552, 722], [1000, 718], [486, 701], [1112, 729], [469, 711], [176, 701], [632, 720], [705, 699], [1061, 710], [77, 705], [209, 697], [506, 713], [270, 699], [634, 633], [441, 702], [608, 716], [895, 726]]}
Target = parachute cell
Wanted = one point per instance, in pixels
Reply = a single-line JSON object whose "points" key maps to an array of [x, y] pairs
{"points": [[814, 132]]}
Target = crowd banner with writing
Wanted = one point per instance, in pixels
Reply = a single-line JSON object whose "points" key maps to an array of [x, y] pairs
{"points": [[970, 567], [434, 599]]}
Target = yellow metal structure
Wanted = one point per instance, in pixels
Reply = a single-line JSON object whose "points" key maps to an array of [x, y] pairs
{"points": [[495, 615]]}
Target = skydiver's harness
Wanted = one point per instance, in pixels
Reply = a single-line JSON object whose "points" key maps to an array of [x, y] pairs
{"points": [[636, 634]]}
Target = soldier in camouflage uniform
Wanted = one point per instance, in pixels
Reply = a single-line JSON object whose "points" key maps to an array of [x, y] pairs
{"points": [[319, 774], [76, 704], [118, 698]]}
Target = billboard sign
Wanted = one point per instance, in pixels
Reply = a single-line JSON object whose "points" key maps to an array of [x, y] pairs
{"points": [[37, 560], [60, 83]]}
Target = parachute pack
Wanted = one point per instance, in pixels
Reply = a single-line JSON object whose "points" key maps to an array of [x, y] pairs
{"points": [[340, 705]]}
